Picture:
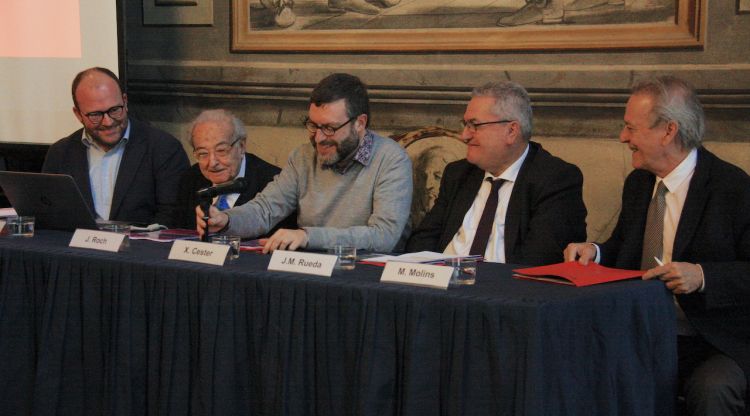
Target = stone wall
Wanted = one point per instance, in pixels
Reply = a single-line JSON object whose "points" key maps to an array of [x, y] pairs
{"points": [[175, 71]]}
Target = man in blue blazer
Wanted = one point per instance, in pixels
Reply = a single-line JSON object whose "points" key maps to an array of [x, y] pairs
{"points": [[699, 227], [538, 202], [125, 169]]}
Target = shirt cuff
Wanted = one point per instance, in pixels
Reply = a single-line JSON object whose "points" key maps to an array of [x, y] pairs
{"points": [[703, 279], [598, 257]]}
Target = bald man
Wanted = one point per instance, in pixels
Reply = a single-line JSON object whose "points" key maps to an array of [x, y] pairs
{"points": [[126, 170]]}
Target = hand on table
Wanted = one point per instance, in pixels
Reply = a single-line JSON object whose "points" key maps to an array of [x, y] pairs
{"points": [[284, 239], [583, 252]]}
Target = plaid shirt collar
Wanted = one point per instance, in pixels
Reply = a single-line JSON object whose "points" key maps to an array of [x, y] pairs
{"points": [[362, 155]]}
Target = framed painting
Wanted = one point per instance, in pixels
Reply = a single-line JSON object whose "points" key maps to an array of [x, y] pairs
{"points": [[465, 25]]}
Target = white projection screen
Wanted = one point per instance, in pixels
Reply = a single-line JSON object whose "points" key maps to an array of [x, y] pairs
{"points": [[43, 44]]}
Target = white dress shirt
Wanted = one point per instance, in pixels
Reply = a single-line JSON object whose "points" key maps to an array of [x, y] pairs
{"points": [[232, 198], [495, 252], [677, 183]]}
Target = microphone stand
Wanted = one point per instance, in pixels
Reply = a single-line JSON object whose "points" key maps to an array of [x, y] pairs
{"points": [[205, 206]]}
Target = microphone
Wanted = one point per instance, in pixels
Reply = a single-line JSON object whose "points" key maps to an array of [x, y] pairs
{"points": [[230, 187]]}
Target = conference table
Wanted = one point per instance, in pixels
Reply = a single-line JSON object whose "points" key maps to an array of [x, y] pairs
{"points": [[85, 332]]}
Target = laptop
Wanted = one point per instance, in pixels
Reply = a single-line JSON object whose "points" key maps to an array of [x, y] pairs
{"points": [[54, 200]]}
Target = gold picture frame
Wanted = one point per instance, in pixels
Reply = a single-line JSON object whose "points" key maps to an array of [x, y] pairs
{"points": [[683, 28]]}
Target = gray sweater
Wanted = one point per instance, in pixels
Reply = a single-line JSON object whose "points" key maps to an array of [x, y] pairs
{"points": [[366, 207]]}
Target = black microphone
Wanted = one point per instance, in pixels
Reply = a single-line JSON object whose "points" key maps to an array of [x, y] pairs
{"points": [[230, 187]]}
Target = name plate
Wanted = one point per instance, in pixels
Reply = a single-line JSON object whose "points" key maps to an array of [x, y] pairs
{"points": [[199, 252], [299, 262], [416, 274], [97, 240]]}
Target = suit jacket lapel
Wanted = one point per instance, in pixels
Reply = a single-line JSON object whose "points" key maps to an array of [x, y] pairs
{"points": [[135, 149], [80, 172], [464, 196], [514, 215], [634, 212], [252, 182], [695, 203]]}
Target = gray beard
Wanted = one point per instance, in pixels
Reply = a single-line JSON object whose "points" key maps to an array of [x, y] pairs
{"points": [[343, 150]]}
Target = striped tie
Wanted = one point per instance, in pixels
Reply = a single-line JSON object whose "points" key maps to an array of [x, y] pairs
{"points": [[653, 234]]}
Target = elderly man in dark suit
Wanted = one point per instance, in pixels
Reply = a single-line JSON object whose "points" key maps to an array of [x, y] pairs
{"points": [[509, 200], [125, 169], [219, 146], [684, 207]]}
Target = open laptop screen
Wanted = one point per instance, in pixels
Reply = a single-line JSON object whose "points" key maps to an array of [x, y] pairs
{"points": [[54, 200]]}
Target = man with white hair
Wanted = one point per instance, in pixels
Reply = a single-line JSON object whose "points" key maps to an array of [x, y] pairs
{"points": [[685, 219], [219, 145]]}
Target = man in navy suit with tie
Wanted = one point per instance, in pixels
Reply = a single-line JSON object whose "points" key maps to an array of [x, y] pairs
{"points": [[219, 145], [686, 208], [126, 170], [510, 200]]}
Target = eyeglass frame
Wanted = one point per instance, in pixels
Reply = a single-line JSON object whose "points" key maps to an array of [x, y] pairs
{"points": [[101, 114], [473, 126], [309, 123], [220, 154]]}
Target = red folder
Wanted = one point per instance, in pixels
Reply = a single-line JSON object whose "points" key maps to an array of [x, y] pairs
{"points": [[574, 273]]}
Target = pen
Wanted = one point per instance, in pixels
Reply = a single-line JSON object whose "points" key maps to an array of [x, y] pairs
{"points": [[659, 262]]}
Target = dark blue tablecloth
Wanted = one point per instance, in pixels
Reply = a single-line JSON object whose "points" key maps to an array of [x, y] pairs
{"points": [[92, 333]]}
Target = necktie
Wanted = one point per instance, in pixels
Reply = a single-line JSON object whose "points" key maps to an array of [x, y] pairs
{"points": [[221, 203], [486, 222], [654, 232]]}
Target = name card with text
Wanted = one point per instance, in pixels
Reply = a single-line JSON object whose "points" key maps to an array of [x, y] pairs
{"points": [[299, 262], [417, 274], [97, 240], [199, 252]]}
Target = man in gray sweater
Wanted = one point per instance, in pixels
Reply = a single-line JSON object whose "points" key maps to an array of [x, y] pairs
{"points": [[351, 187]]}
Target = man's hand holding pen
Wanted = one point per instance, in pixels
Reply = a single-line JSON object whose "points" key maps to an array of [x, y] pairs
{"points": [[681, 278]]}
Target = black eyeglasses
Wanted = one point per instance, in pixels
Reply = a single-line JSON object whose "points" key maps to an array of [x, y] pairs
{"points": [[325, 129], [115, 113], [472, 126]]}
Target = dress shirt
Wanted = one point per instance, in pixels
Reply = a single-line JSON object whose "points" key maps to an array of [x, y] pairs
{"points": [[232, 198], [495, 252], [103, 169], [677, 183]]}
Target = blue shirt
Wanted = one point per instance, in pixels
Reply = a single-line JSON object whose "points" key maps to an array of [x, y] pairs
{"points": [[103, 168]]}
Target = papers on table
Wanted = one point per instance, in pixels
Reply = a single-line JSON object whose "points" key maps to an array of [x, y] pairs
{"points": [[576, 274], [424, 257], [7, 212], [251, 245], [149, 228], [165, 236]]}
